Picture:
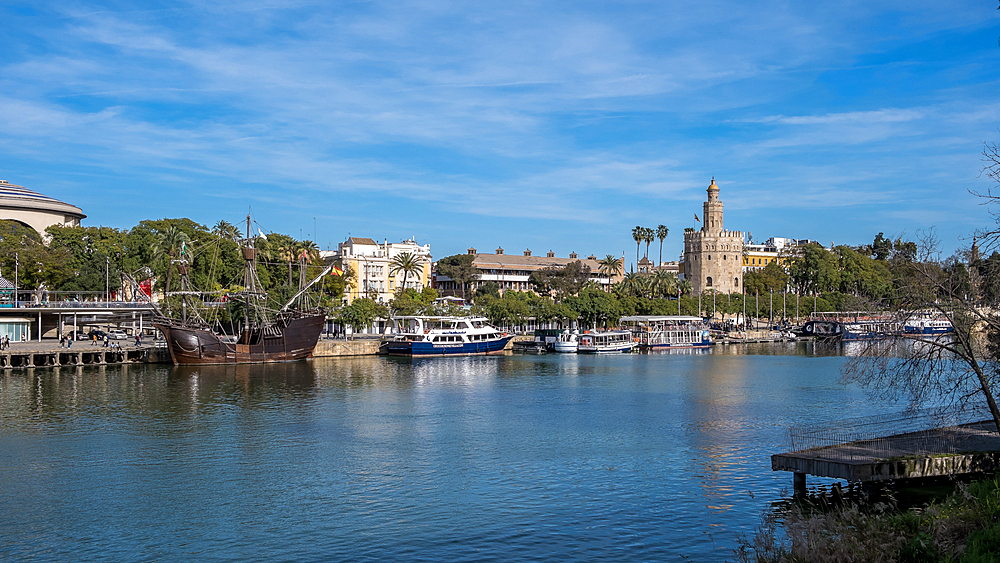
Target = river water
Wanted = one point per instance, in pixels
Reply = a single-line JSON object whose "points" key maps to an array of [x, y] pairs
{"points": [[656, 457]]}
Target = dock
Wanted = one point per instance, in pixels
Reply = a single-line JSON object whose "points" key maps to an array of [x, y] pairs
{"points": [[951, 450], [46, 354]]}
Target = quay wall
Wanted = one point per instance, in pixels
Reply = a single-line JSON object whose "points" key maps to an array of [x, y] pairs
{"points": [[335, 348]]}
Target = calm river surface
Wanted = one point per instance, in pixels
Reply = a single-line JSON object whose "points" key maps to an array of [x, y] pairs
{"points": [[513, 458]]}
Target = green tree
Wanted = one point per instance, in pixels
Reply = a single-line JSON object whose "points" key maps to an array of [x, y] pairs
{"points": [[638, 234], [661, 233], [611, 266], [648, 236], [813, 269], [361, 313], [169, 244], [405, 262], [460, 269]]}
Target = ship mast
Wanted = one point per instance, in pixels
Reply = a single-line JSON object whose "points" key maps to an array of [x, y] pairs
{"points": [[249, 279]]}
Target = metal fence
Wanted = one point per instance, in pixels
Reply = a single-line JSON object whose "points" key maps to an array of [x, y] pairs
{"points": [[937, 430]]}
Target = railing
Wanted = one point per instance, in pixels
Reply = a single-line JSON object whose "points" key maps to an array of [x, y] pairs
{"points": [[929, 430], [77, 305]]}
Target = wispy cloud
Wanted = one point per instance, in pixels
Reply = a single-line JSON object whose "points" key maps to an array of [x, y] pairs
{"points": [[590, 113]]}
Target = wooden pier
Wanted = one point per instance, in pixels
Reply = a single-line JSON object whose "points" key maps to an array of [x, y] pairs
{"points": [[38, 356], [954, 450]]}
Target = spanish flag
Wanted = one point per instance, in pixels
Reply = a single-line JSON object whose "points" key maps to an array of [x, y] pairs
{"points": [[337, 271]]}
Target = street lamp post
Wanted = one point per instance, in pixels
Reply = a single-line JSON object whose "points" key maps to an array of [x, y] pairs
{"points": [[17, 265]]}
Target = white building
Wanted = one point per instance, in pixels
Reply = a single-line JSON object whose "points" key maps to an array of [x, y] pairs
{"points": [[371, 263]]}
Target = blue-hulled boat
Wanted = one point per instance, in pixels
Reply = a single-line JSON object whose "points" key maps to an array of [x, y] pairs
{"points": [[445, 336]]}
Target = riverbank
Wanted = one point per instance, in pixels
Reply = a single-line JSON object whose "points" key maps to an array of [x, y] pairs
{"points": [[964, 527]]}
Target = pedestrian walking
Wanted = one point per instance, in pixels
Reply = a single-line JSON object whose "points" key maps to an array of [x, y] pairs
{"points": [[69, 341]]}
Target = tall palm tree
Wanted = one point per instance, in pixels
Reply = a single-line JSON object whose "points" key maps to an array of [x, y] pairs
{"points": [[408, 263], [637, 236], [611, 265], [661, 233], [168, 243], [648, 236]]}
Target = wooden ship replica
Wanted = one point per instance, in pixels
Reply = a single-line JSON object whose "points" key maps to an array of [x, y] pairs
{"points": [[285, 335]]}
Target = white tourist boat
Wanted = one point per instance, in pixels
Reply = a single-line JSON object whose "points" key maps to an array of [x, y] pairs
{"points": [[601, 342], [928, 323], [445, 336], [568, 342], [668, 331]]}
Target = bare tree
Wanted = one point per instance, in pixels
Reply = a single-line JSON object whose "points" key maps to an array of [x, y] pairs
{"points": [[962, 367]]}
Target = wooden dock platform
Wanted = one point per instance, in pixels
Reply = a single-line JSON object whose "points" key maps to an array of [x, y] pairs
{"points": [[953, 450]]}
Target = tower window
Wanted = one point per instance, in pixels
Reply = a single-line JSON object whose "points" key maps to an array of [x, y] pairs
{"points": [[708, 282]]}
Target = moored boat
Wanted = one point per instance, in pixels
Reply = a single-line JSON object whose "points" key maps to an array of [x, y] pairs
{"points": [[568, 342], [927, 324], [668, 331], [602, 342], [444, 336], [288, 334]]}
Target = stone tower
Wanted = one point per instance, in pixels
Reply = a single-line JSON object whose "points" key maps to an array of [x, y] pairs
{"points": [[713, 256]]}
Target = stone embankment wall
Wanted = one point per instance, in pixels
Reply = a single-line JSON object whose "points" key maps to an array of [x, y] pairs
{"points": [[332, 348]]}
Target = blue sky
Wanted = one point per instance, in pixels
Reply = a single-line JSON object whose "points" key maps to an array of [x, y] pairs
{"points": [[543, 125]]}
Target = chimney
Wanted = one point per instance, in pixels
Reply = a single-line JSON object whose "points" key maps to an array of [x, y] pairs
{"points": [[527, 252], [572, 255], [499, 250], [550, 254], [471, 251]]}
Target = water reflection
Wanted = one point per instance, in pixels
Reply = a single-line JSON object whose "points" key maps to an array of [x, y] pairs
{"points": [[621, 457]]}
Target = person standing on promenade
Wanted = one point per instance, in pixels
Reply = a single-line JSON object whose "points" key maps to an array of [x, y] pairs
{"points": [[69, 341]]}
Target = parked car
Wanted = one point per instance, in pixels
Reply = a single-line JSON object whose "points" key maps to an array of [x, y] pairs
{"points": [[98, 333], [117, 335]]}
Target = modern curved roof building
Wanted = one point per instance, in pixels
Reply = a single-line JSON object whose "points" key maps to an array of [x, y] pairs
{"points": [[35, 210]]}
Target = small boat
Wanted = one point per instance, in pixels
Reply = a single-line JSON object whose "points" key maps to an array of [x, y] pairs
{"points": [[567, 343], [444, 336], [601, 342], [668, 331]]}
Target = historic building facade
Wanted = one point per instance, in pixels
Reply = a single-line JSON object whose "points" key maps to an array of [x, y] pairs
{"points": [[713, 256]]}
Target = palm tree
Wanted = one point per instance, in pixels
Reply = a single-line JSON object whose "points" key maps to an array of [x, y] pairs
{"points": [[167, 244], [288, 251], [226, 230], [648, 236], [405, 262], [637, 236], [611, 265], [664, 283], [661, 233], [307, 252]]}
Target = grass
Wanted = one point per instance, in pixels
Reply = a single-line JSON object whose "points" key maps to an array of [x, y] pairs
{"points": [[963, 528]]}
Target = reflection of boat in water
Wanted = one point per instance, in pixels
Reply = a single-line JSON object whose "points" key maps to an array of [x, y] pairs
{"points": [[568, 342], [445, 336], [601, 342], [267, 336], [668, 331]]}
